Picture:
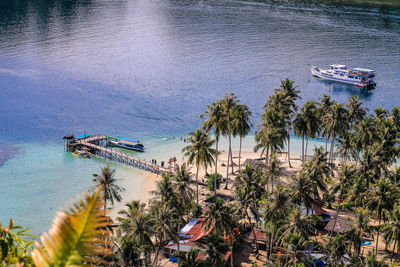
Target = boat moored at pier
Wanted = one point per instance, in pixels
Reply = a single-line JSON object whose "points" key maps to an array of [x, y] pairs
{"points": [[132, 144], [359, 77]]}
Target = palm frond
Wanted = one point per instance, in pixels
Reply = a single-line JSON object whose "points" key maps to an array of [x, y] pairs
{"points": [[76, 236]]}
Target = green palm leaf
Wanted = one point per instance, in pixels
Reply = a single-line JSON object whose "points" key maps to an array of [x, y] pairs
{"points": [[76, 236]]}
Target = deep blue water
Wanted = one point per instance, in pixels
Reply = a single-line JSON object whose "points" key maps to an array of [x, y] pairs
{"points": [[148, 68]]}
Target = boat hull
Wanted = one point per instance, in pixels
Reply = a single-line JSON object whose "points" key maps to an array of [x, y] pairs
{"points": [[317, 73], [118, 144]]}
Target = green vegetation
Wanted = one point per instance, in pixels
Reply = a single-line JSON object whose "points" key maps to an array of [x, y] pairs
{"points": [[214, 181], [281, 206]]}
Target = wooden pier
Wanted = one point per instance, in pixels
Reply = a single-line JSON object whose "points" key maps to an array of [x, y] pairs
{"points": [[97, 146]]}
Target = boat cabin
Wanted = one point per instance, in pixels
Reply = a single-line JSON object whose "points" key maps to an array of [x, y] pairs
{"points": [[362, 72], [338, 67]]}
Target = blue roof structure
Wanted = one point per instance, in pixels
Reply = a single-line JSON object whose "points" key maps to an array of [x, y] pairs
{"points": [[83, 135], [362, 69]]}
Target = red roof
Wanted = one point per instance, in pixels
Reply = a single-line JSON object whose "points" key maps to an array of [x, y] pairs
{"points": [[198, 230], [318, 210], [260, 234]]}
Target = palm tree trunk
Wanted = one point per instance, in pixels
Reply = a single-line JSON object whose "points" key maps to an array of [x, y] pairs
{"points": [[232, 254], [216, 166], [105, 200], [337, 214], [272, 240], [227, 167], [216, 155], [231, 153], [302, 149], [197, 183], [377, 235], [240, 152], [332, 148], [155, 261], [266, 158], [394, 247], [305, 153], [326, 143], [179, 237], [254, 233], [288, 150]]}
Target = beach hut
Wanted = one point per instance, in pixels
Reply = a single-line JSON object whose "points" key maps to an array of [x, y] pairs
{"points": [[254, 163], [342, 226]]}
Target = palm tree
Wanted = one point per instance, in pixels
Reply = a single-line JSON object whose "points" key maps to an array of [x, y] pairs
{"points": [[274, 170], [382, 197], [164, 192], [183, 191], [394, 175], [311, 117], [249, 189], [15, 246], [355, 111], [128, 252], [277, 208], [164, 221], [298, 224], [229, 102], [133, 209], [110, 190], [189, 259], [284, 101], [337, 247], [372, 261], [216, 249], [76, 236], [392, 229], [291, 96], [346, 176], [336, 123], [385, 147], [300, 129], [271, 135], [244, 200], [241, 124], [217, 121], [296, 248], [219, 217], [381, 113], [318, 171], [366, 133], [346, 149], [395, 117], [359, 229], [325, 106], [301, 191], [357, 190], [199, 152], [140, 227]]}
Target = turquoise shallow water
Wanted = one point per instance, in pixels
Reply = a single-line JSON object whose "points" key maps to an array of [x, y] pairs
{"points": [[147, 68], [41, 178]]}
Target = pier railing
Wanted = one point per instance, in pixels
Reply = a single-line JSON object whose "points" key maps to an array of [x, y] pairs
{"points": [[97, 144]]}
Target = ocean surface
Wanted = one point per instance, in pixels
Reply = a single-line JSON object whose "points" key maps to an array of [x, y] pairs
{"points": [[148, 68]]}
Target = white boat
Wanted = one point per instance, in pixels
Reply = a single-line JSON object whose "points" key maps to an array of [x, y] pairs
{"points": [[131, 144], [360, 77]]}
